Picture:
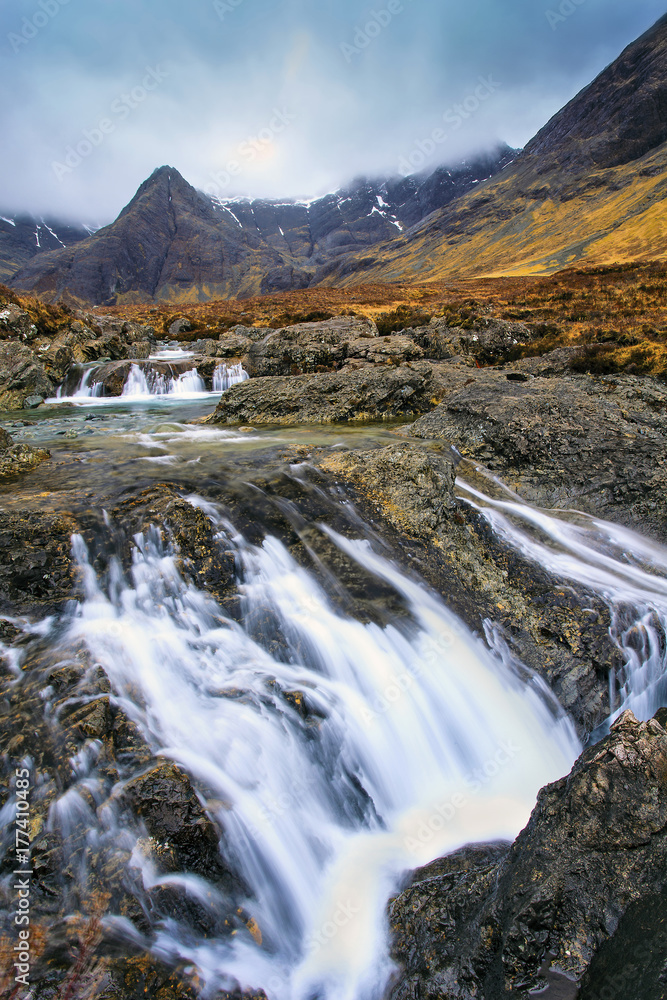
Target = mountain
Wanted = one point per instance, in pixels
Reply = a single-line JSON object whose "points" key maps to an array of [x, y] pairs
{"points": [[23, 237], [590, 188], [173, 243]]}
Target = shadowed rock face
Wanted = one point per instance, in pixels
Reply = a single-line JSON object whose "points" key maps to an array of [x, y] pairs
{"points": [[621, 116], [482, 921]]}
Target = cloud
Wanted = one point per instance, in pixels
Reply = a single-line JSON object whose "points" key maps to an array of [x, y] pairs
{"points": [[359, 83]]}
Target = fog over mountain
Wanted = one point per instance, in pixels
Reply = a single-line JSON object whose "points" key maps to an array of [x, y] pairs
{"points": [[279, 99]]}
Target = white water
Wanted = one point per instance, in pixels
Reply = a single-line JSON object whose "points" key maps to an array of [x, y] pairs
{"points": [[224, 377], [422, 741], [626, 569], [144, 383], [85, 390]]}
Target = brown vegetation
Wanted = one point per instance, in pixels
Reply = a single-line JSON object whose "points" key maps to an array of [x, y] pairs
{"points": [[617, 313]]}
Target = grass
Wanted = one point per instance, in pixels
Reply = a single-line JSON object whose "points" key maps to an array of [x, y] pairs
{"points": [[617, 314]]}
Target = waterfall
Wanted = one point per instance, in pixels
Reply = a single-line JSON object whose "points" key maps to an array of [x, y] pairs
{"points": [[140, 382], [85, 390], [626, 569], [336, 753], [224, 377], [187, 382]]}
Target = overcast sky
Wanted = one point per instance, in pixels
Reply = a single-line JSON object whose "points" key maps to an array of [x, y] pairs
{"points": [[279, 97]]}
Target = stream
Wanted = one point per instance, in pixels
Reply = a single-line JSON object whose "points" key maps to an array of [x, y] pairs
{"points": [[409, 736]]}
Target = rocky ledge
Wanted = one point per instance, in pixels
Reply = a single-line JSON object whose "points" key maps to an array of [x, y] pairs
{"points": [[580, 899], [17, 458]]}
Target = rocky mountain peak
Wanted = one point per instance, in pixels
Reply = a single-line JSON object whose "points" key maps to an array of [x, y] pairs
{"points": [[619, 117]]}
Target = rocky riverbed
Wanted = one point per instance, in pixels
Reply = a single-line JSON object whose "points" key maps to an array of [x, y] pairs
{"points": [[397, 439]]}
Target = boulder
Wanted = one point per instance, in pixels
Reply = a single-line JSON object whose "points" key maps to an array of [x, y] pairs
{"points": [[16, 323], [489, 341], [22, 374], [490, 921], [307, 347], [372, 393], [598, 444]]}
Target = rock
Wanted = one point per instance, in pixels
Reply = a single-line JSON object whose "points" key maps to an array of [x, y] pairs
{"points": [[381, 393], [17, 458], [16, 323], [178, 326], [483, 921], [139, 350], [307, 347], [560, 632], [36, 569], [190, 532], [395, 349], [232, 345], [165, 800], [22, 375], [488, 341], [596, 444], [32, 402]]}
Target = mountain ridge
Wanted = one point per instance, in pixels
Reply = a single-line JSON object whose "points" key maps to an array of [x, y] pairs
{"points": [[174, 243], [589, 188]]}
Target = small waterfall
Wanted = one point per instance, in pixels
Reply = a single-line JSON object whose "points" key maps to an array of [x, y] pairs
{"points": [[86, 390], [145, 382], [224, 377], [336, 753], [187, 383], [626, 569]]}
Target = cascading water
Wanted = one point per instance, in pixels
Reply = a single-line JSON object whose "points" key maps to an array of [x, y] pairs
{"points": [[145, 382], [627, 570], [224, 377], [187, 382], [406, 741], [86, 389]]}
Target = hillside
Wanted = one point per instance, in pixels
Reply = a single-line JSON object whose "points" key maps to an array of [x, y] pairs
{"points": [[588, 189], [172, 243]]}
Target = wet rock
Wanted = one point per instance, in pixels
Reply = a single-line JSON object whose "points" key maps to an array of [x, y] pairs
{"points": [[165, 800], [381, 393], [18, 458], [22, 375], [199, 557], [561, 632], [596, 444], [36, 569], [482, 922]]}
